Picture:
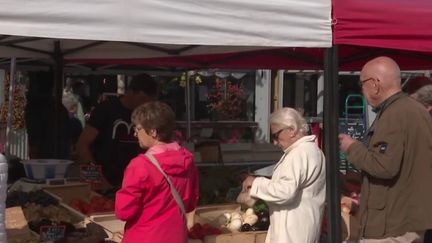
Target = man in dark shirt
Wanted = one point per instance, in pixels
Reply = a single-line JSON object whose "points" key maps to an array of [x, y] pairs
{"points": [[107, 138]]}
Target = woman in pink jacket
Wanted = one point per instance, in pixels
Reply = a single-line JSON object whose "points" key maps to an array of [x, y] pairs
{"points": [[145, 200]]}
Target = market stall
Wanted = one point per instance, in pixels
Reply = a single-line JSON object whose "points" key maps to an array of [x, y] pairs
{"points": [[47, 19], [179, 29], [43, 207]]}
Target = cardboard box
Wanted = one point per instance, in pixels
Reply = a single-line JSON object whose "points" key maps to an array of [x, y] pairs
{"points": [[243, 237], [113, 227], [350, 226], [16, 224], [209, 214], [65, 193], [350, 220]]}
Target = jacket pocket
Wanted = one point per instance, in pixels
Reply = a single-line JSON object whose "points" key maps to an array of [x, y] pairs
{"points": [[376, 211], [377, 197], [376, 223]]}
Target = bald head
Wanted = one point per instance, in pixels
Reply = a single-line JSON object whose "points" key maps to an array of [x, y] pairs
{"points": [[385, 79]]}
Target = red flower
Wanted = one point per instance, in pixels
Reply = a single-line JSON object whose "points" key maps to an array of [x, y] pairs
{"points": [[226, 99]]}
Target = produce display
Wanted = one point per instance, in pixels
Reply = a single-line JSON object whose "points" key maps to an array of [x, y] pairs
{"points": [[97, 204], [42, 210], [232, 221], [20, 198], [32, 240], [199, 231], [239, 221], [262, 211], [55, 210], [36, 212], [92, 233]]}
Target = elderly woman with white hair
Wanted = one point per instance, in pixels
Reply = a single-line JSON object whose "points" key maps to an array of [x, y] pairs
{"points": [[296, 192], [424, 96]]}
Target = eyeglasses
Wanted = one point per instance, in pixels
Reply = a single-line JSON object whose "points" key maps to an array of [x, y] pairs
{"points": [[275, 136], [137, 129], [361, 82]]}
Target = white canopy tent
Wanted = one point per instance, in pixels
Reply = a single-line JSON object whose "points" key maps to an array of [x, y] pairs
{"points": [[105, 29], [168, 27], [137, 29]]}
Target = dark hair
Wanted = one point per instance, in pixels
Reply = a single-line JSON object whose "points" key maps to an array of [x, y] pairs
{"points": [[156, 115], [145, 83]]}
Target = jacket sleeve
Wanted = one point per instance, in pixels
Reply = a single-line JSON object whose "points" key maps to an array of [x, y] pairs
{"points": [[383, 158], [293, 175], [129, 197]]}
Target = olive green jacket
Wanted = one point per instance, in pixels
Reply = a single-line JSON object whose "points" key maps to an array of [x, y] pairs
{"points": [[396, 193]]}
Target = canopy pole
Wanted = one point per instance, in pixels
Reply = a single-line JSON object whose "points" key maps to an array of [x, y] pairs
{"points": [[10, 105], [331, 143], [58, 93], [188, 106]]}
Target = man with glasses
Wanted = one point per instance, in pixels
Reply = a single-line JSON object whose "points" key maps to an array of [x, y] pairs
{"points": [[396, 199]]}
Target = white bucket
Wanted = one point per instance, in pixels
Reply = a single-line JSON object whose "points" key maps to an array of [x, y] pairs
{"points": [[46, 168]]}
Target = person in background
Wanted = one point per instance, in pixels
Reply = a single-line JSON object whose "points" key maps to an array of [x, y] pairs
{"points": [[71, 102], [296, 192], [424, 96], [107, 138], [395, 202], [145, 200], [78, 88]]}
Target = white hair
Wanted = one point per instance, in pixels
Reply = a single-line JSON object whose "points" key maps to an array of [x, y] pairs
{"points": [[289, 117], [424, 95]]}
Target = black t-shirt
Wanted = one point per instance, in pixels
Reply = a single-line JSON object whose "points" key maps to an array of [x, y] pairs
{"points": [[115, 144]]}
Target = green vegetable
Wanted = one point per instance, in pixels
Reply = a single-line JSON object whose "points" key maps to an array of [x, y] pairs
{"points": [[260, 206]]}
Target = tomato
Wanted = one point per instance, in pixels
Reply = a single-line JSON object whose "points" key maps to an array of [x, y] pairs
{"points": [[216, 231], [205, 229], [193, 235], [108, 205], [199, 231], [86, 208]]}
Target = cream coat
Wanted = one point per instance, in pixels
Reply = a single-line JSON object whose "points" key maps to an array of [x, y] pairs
{"points": [[295, 194]]}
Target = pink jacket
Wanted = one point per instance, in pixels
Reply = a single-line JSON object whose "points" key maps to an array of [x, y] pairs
{"points": [[145, 201]]}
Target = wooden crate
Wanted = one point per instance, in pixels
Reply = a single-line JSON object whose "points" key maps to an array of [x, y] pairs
{"points": [[65, 193], [209, 214], [113, 227]]}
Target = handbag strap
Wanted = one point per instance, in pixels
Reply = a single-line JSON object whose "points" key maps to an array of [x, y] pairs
{"points": [[173, 190]]}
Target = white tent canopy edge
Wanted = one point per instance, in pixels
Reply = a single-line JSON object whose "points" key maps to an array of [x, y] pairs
{"points": [[222, 26]]}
